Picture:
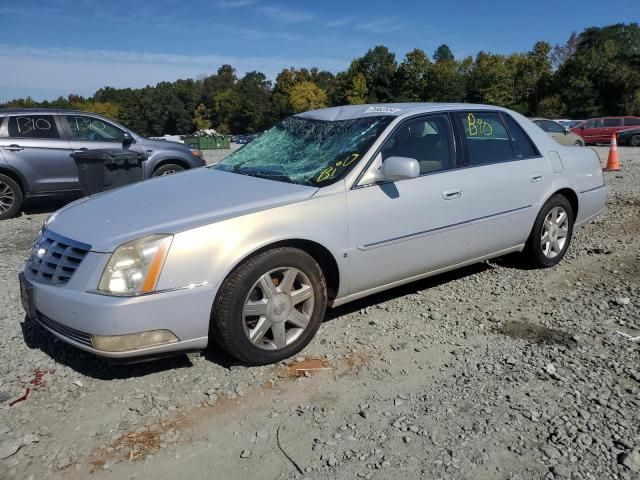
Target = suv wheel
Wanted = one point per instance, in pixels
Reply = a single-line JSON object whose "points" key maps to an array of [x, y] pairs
{"points": [[270, 307], [551, 234], [635, 141], [168, 169], [10, 197]]}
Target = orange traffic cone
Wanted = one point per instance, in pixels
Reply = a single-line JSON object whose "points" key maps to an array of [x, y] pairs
{"points": [[613, 162]]}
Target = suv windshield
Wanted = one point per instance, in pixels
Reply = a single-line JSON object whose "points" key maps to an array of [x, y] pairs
{"points": [[305, 151]]}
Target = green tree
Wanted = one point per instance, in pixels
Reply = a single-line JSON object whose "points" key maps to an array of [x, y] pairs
{"points": [[378, 66], [201, 117], [356, 94], [412, 77], [443, 54], [307, 96]]}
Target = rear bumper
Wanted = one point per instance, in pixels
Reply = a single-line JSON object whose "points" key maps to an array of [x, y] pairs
{"points": [[75, 316]]}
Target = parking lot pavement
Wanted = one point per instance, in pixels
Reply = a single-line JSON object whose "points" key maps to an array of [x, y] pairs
{"points": [[491, 372], [214, 156]]}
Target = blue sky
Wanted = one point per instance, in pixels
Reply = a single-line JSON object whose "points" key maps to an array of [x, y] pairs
{"points": [[77, 46]]}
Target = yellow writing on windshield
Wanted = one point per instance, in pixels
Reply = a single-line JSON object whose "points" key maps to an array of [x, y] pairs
{"points": [[330, 172], [478, 127]]}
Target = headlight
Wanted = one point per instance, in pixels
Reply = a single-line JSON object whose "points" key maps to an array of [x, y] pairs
{"points": [[135, 267]]}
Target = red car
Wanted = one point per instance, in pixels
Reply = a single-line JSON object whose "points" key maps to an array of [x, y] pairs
{"points": [[599, 130]]}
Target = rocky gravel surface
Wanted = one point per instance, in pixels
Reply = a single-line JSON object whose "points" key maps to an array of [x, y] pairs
{"points": [[491, 372]]}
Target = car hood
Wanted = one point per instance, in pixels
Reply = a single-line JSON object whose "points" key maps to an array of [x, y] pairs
{"points": [[169, 204], [163, 144]]}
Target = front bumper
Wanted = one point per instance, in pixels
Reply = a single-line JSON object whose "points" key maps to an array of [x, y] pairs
{"points": [[74, 316]]}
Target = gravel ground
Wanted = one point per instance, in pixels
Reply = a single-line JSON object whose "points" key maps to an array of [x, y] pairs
{"points": [[490, 372]]}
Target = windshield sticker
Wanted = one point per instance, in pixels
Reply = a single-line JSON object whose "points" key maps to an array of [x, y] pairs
{"points": [[478, 127], [382, 110]]}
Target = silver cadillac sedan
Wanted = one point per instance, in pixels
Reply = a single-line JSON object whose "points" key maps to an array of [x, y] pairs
{"points": [[326, 207]]}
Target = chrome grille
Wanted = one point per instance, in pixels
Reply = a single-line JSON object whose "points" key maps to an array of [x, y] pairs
{"points": [[55, 258], [63, 330]]}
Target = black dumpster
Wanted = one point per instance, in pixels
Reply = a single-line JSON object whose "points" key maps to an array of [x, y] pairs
{"points": [[107, 168]]}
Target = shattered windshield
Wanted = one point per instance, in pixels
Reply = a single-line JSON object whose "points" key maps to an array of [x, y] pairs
{"points": [[305, 151]]}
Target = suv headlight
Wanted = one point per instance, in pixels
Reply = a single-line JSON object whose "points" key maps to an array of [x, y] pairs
{"points": [[135, 267]]}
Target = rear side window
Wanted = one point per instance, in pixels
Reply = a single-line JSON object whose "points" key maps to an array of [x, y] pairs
{"points": [[612, 122], [33, 126], [523, 147], [487, 138], [631, 121]]}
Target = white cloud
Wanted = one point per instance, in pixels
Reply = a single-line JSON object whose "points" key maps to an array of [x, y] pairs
{"points": [[48, 72], [286, 15], [235, 3]]}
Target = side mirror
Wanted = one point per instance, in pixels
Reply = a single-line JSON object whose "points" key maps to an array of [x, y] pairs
{"points": [[567, 131], [127, 139], [399, 168], [581, 127]]}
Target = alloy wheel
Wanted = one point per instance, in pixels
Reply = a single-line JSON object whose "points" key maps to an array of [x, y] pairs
{"points": [[7, 197], [278, 308], [555, 231]]}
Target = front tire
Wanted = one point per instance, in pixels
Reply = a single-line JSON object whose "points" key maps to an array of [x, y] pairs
{"points": [[168, 169], [635, 141], [578, 143], [10, 197], [270, 307], [551, 234]]}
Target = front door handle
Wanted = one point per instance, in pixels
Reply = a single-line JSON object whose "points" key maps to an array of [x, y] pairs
{"points": [[452, 193], [14, 148], [535, 178], [80, 150]]}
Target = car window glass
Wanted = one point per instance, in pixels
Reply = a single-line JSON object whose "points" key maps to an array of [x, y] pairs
{"points": [[592, 123], [632, 121], [487, 138], [429, 140], [93, 129], [33, 126], [612, 122], [523, 147], [554, 127]]}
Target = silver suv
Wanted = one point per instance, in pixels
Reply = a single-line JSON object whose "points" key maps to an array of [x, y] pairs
{"points": [[35, 148]]}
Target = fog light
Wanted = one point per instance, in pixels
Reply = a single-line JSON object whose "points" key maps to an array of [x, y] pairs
{"points": [[133, 341]]}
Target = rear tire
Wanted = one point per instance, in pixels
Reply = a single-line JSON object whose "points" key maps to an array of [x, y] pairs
{"points": [[270, 307], [168, 169], [635, 141], [551, 233], [10, 197]]}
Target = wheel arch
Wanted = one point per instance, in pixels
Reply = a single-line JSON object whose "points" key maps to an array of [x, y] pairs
{"points": [[317, 251], [166, 161], [15, 176], [570, 195]]}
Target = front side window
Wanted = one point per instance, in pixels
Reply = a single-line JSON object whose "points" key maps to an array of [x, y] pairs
{"points": [[307, 151], [33, 126], [595, 123], [612, 122], [429, 140], [93, 129], [487, 138]]}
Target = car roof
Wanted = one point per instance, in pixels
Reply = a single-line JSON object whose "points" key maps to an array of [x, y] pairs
{"points": [[350, 112], [43, 111]]}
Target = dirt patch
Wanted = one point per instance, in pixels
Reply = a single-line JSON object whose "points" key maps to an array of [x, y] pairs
{"points": [[135, 446], [525, 330], [305, 368]]}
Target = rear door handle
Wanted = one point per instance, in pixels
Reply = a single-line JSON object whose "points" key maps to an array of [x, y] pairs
{"points": [[14, 148], [452, 193], [535, 178]]}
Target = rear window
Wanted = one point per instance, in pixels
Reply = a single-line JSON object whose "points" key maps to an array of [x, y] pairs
{"points": [[33, 126], [523, 147], [627, 121], [487, 138], [612, 122]]}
